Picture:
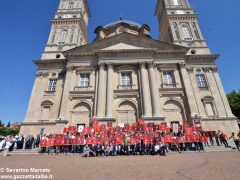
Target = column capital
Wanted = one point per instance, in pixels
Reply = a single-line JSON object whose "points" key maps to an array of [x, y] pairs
{"points": [[214, 69], [206, 69], [151, 64], [101, 65], [109, 65], [70, 68], [182, 65], [142, 65]]}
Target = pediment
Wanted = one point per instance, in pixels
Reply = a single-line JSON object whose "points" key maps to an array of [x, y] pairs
{"points": [[124, 41], [121, 46]]}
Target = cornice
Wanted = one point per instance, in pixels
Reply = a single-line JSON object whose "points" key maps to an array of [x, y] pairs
{"points": [[202, 56], [66, 21], [128, 51], [182, 16], [39, 123], [52, 61]]}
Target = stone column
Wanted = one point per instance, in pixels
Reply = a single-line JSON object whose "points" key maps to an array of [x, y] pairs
{"points": [[186, 82], [101, 95], [64, 114], [145, 91], [96, 91], [222, 92], [109, 113], [154, 90]]}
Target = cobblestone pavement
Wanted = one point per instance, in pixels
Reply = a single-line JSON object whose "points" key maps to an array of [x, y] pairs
{"points": [[189, 166]]}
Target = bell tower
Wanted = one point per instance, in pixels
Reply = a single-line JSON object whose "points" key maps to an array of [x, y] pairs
{"points": [[178, 24], [69, 28]]}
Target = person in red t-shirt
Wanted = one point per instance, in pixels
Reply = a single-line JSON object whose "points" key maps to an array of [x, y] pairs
{"points": [[224, 138]]}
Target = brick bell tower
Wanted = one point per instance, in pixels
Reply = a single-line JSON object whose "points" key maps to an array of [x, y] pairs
{"points": [[178, 24], [69, 28]]}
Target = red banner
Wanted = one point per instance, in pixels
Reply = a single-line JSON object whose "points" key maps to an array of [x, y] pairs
{"points": [[168, 139], [141, 121], [188, 131]]}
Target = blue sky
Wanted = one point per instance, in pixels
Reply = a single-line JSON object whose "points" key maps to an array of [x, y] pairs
{"points": [[25, 25]]}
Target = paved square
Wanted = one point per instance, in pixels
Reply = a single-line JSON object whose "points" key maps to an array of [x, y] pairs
{"points": [[220, 165]]}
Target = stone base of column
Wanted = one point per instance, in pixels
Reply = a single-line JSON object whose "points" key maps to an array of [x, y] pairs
{"points": [[105, 119], [159, 118], [158, 115]]}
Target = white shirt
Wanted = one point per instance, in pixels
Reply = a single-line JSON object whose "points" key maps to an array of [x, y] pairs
{"points": [[8, 144], [1, 144]]}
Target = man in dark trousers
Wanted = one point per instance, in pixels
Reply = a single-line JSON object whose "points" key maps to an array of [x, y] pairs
{"points": [[98, 149]]}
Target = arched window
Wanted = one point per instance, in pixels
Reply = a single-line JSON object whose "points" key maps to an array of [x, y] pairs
{"points": [[70, 5], [196, 31], [170, 37], [62, 37], [176, 30], [53, 37], [175, 2], [46, 107], [187, 35], [72, 36]]}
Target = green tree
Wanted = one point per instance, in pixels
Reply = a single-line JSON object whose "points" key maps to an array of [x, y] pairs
{"points": [[1, 123], [234, 101], [6, 131]]}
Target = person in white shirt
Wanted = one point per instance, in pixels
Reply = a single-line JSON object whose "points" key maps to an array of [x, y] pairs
{"points": [[157, 149], [9, 142], [2, 143]]}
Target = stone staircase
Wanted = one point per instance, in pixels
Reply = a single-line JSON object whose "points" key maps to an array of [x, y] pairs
{"points": [[24, 152], [214, 148], [222, 148]]}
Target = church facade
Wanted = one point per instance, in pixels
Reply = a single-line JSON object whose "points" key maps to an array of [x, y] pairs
{"points": [[125, 75]]}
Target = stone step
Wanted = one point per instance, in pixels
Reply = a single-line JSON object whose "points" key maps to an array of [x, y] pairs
{"points": [[219, 149], [206, 149], [23, 152]]}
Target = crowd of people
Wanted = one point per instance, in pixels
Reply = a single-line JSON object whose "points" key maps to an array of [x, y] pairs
{"points": [[144, 139], [135, 144], [136, 139], [10, 143]]}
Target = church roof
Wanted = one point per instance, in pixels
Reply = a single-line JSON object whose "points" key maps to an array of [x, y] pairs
{"points": [[127, 42], [122, 21]]}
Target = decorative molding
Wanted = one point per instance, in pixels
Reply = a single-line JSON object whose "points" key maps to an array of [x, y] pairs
{"points": [[42, 74], [190, 69], [206, 69]]}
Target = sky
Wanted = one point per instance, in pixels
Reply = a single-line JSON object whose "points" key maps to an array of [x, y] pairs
{"points": [[25, 26]]}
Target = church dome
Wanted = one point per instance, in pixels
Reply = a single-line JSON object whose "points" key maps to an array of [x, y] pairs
{"points": [[121, 26]]}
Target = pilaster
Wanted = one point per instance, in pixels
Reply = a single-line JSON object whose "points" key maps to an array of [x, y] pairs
{"points": [[145, 90], [109, 112]]}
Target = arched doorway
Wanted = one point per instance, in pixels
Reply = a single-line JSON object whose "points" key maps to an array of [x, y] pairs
{"points": [[173, 112], [81, 114], [127, 113]]}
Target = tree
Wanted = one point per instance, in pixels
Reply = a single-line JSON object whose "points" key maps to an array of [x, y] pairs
{"points": [[1, 123], [9, 124], [234, 101]]}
